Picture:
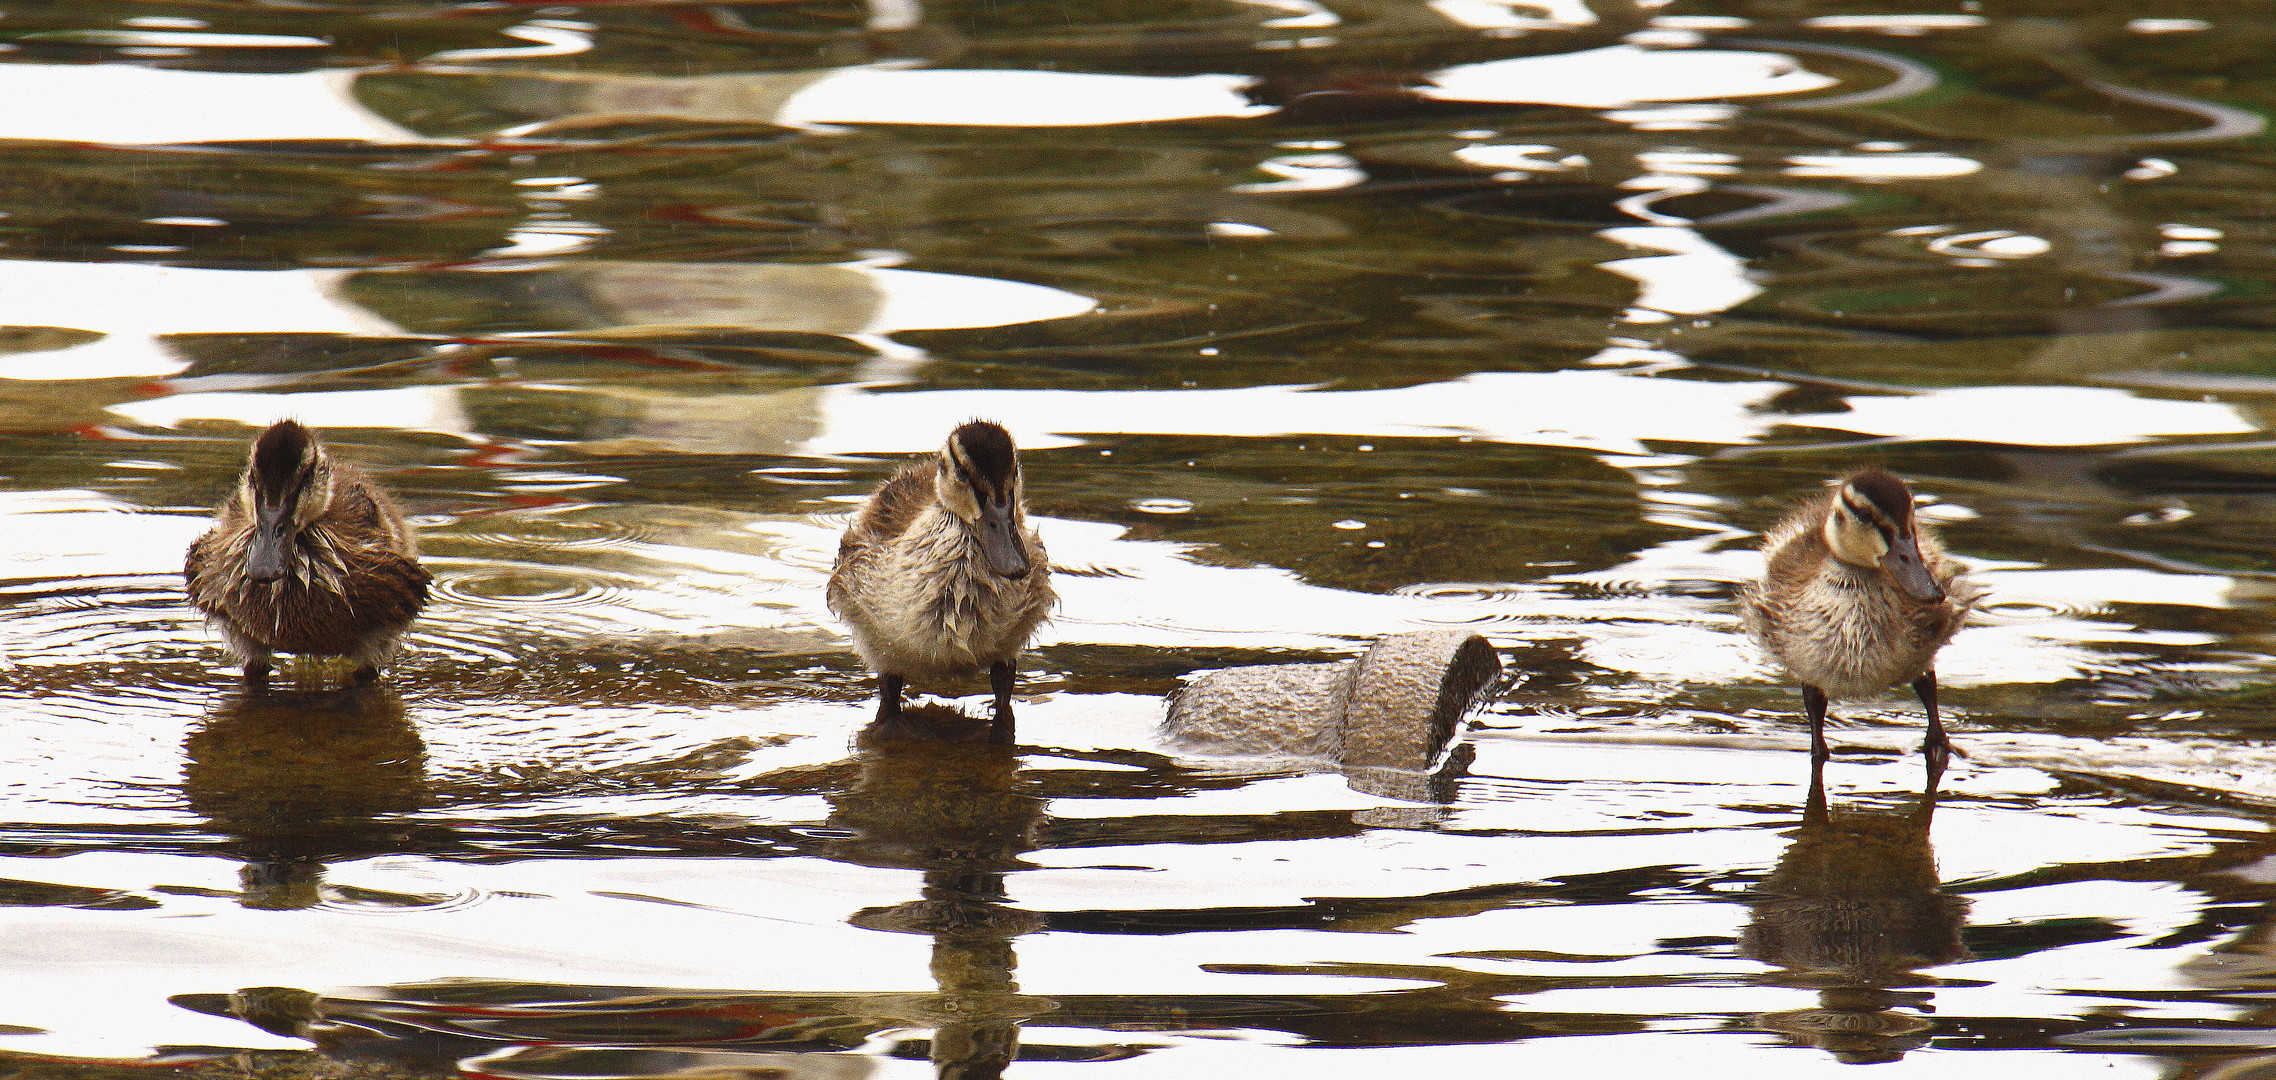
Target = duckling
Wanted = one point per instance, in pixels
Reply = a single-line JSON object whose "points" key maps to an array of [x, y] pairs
{"points": [[1857, 597], [939, 577], [308, 556]]}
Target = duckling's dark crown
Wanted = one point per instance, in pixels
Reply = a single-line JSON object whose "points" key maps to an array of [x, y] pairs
{"points": [[1887, 493], [988, 447], [278, 453]]}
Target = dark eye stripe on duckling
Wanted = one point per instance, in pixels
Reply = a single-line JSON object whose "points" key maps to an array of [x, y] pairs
{"points": [[1888, 499]]}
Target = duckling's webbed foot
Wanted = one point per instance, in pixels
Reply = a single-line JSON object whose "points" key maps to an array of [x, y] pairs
{"points": [[889, 696], [1814, 703]]}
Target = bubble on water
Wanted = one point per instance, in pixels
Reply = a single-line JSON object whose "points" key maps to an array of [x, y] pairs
{"points": [[1991, 244], [1161, 505], [2164, 515], [1350, 523]]}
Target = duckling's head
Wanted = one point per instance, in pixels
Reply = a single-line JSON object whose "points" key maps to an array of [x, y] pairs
{"points": [[978, 481], [1869, 524], [288, 483]]}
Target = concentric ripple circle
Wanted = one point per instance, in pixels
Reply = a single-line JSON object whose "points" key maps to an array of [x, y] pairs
{"points": [[520, 586]]}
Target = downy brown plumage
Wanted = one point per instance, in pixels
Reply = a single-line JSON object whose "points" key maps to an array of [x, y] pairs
{"points": [[307, 556], [1856, 597], [939, 578]]}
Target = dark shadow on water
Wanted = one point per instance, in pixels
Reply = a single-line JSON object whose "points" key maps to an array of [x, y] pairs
{"points": [[298, 779], [1853, 910]]}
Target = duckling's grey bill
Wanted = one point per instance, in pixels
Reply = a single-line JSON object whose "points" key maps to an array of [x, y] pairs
{"points": [[999, 541], [1909, 571], [272, 537]]}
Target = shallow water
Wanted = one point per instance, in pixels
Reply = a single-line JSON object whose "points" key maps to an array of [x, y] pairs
{"points": [[1319, 321]]}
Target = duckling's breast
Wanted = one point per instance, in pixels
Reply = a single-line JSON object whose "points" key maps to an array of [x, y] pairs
{"points": [[928, 608], [370, 595], [1849, 639]]}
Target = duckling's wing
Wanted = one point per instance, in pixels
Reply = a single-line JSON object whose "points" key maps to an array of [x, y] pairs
{"points": [[387, 586], [895, 507], [889, 512], [201, 565]]}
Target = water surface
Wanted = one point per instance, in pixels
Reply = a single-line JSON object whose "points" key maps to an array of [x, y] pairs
{"points": [[1319, 321]]}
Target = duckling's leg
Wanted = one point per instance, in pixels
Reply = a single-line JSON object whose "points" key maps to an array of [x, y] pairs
{"points": [[1000, 679], [1814, 703], [255, 656], [1937, 747], [888, 696], [372, 656]]}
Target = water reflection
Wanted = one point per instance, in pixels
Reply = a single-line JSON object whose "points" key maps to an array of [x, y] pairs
{"points": [[298, 778], [1852, 910], [1324, 330], [936, 794], [454, 98], [326, 323]]}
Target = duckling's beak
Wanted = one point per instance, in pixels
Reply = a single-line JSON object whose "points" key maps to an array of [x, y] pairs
{"points": [[999, 541], [1909, 571], [272, 539]]}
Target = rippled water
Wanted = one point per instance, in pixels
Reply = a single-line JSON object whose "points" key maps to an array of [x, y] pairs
{"points": [[1319, 320]]}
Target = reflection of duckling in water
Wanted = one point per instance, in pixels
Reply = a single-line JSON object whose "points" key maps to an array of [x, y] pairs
{"points": [[307, 556], [927, 802], [952, 810], [1852, 909], [939, 577], [1857, 597], [301, 779]]}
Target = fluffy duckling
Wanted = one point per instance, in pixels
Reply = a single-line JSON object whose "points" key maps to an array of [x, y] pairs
{"points": [[309, 556], [939, 577], [1857, 597]]}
